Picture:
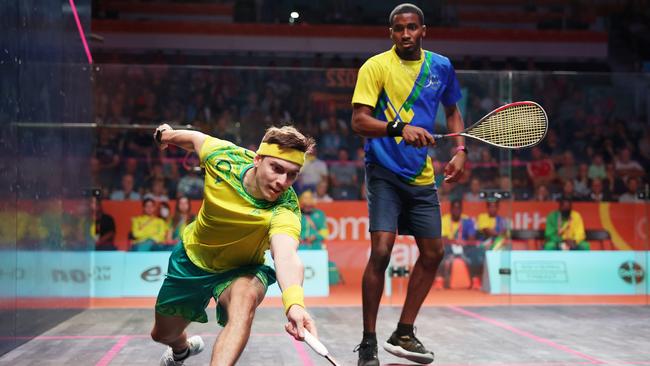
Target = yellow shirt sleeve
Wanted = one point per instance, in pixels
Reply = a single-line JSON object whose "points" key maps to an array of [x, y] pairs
{"points": [[485, 221], [210, 145], [369, 84], [284, 221]]}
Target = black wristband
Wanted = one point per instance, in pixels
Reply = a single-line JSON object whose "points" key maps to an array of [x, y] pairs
{"points": [[158, 136], [395, 128]]}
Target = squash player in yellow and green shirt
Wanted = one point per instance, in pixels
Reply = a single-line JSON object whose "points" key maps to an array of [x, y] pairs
{"points": [[248, 207], [394, 106]]}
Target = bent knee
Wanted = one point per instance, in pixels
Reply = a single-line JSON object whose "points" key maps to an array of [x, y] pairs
{"points": [[163, 338]]}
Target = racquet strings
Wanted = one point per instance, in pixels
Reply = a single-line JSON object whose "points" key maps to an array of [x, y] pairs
{"points": [[515, 126]]}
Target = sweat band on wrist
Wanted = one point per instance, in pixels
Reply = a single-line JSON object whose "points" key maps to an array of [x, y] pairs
{"points": [[461, 148], [395, 128], [293, 295], [158, 137]]}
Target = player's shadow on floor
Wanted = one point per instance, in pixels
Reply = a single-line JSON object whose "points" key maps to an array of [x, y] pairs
{"points": [[402, 364]]}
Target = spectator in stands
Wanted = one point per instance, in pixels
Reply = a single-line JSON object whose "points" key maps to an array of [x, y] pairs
{"points": [[565, 229], [190, 186], [313, 172], [158, 173], [627, 167], [313, 230], [223, 128], [157, 191], [597, 191], [568, 190], [541, 169], [486, 168], [491, 226], [551, 147], [331, 139], [458, 229], [164, 211], [321, 194], [568, 169], [644, 148], [614, 184], [138, 168], [127, 192], [473, 195], [343, 175], [597, 167], [542, 193], [103, 227], [632, 193], [581, 182], [182, 217], [147, 230], [108, 156]]}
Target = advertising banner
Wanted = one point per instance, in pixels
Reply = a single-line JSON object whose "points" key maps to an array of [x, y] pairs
{"points": [[568, 273]]}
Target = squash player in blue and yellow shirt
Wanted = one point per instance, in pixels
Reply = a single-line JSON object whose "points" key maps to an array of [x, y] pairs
{"points": [[248, 207], [394, 106]]}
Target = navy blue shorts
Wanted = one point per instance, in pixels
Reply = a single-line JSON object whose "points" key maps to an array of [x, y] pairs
{"points": [[396, 206]]}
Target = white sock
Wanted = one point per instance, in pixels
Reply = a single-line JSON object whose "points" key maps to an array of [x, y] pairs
{"points": [[181, 356]]}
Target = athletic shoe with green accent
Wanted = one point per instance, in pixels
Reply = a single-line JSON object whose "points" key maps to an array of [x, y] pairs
{"points": [[196, 346], [367, 354], [408, 347]]}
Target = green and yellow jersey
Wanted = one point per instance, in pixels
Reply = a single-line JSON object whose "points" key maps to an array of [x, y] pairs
{"points": [[233, 228]]}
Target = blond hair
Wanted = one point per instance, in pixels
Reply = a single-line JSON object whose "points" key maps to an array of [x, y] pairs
{"points": [[288, 137]]}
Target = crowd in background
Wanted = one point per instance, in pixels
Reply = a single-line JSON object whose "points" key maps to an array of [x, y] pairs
{"points": [[597, 147]]}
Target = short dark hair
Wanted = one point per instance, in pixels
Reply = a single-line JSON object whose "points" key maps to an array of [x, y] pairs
{"points": [[406, 8]]}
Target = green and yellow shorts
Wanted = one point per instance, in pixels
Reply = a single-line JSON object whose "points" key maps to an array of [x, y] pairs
{"points": [[187, 289]]}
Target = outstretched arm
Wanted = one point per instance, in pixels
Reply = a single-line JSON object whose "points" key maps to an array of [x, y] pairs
{"points": [[187, 139], [289, 270]]}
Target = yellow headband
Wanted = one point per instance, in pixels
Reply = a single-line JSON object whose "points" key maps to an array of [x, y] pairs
{"points": [[276, 151]]}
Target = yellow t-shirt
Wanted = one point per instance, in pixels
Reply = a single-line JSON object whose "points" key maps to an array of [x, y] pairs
{"points": [[484, 221], [459, 230], [145, 227], [233, 228]]}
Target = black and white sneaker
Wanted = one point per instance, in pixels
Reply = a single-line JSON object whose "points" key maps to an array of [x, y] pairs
{"points": [[367, 354], [408, 347]]}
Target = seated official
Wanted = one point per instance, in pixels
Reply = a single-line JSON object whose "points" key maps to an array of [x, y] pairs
{"points": [[565, 229]]}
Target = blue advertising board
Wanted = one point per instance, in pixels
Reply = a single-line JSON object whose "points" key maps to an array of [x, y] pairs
{"points": [[568, 273], [120, 274]]}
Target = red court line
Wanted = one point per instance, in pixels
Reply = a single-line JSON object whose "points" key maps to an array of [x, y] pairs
{"points": [[300, 349], [82, 35], [526, 334], [110, 355], [519, 364]]}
